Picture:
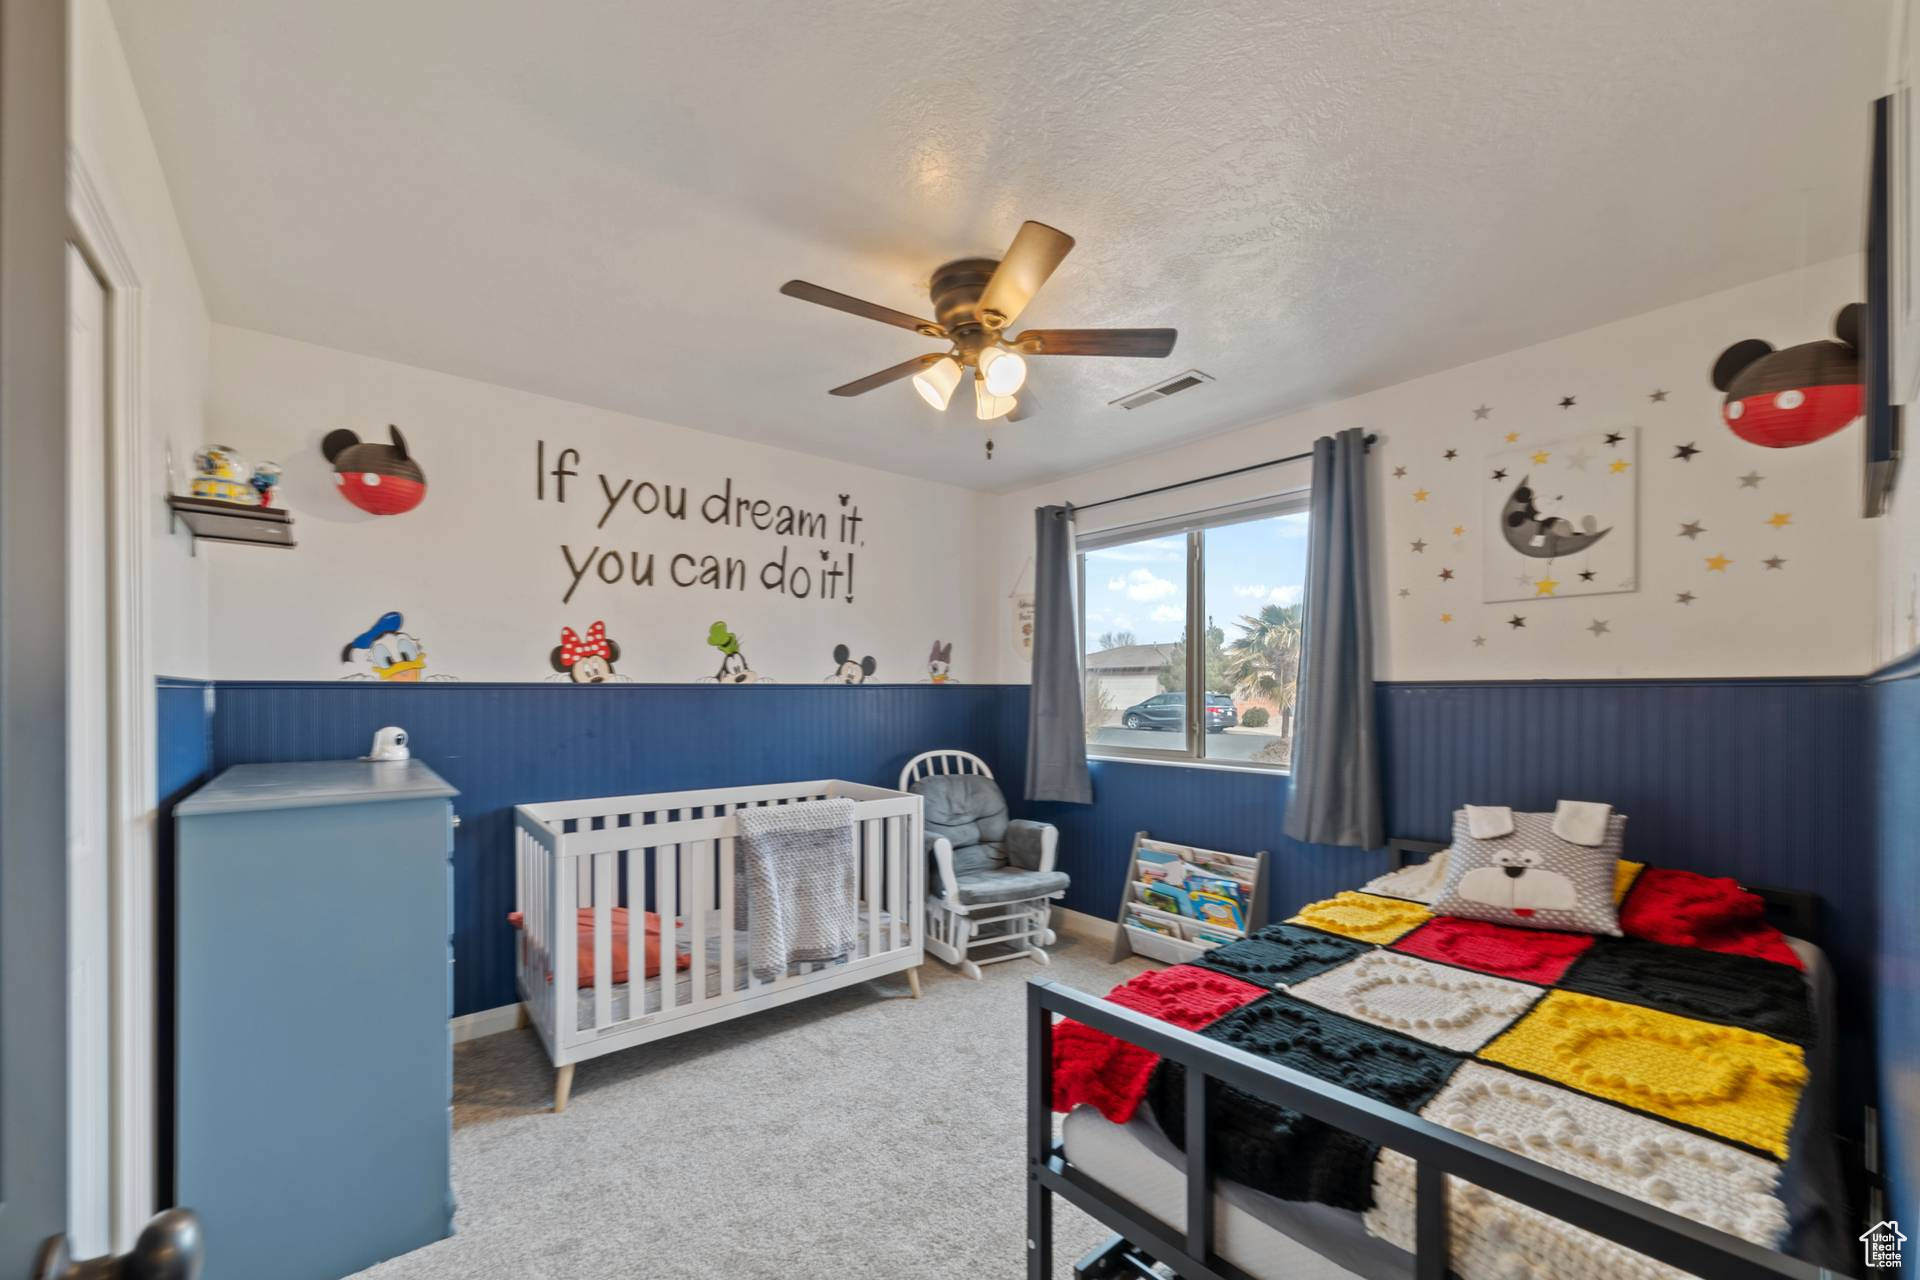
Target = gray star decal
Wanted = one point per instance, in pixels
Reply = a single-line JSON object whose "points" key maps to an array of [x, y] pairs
{"points": [[1685, 597], [1479, 642], [1578, 460], [1600, 627], [1404, 593], [1419, 545], [1774, 562], [1751, 480], [1399, 472], [1657, 396], [1480, 414], [1692, 529]]}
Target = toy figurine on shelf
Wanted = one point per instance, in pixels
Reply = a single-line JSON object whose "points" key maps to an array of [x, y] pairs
{"points": [[222, 475], [266, 482]]}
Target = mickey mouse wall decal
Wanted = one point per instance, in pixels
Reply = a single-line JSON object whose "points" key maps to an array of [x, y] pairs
{"points": [[379, 478], [847, 671], [1797, 395], [587, 660]]}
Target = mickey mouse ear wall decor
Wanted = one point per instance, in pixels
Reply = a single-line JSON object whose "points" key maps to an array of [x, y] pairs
{"points": [[1797, 395], [382, 479]]}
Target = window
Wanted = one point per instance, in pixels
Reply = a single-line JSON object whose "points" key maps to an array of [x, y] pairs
{"points": [[1234, 577]]}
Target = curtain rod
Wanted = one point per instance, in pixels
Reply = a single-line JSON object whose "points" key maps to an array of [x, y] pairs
{"points": [[1218, 475]]}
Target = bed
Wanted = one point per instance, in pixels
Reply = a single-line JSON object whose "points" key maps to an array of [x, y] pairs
{"points": [[1359, 1181]]}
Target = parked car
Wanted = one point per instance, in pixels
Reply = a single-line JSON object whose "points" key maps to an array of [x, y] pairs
{"points": [[1169, 711]]}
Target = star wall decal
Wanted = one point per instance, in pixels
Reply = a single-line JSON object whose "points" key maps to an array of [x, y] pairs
{"points": [[1524, 580], [1451, 454], [1692, 529], [1512, 436], [1718, 563], [1618, 466], [1500, 473], [1780, 519], [1459, 531], [1419, 545], [1614, 437], [1600, 627], [1685, 597], [1774, 562], [1685, 452], [1546, 586], [1446, 575], [1479, 642], [1586, 575], [1657, 395], [1404, 593], [1540, 457], [1398, 472], [1480, 414], [1446, 617], [1578, 459], [1566, 402], [1516, 622], [1751, 480], [1419, 495]]}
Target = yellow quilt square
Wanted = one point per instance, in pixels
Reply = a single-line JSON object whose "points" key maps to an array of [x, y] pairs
{"points": [[1623, 874], [1364, 916], [1724, 1080]]}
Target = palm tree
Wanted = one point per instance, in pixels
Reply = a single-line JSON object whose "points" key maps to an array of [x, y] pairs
{"points": [[1264, 660]]}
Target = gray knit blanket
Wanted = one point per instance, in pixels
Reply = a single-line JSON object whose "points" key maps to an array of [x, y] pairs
{"points": [[800, 883]]}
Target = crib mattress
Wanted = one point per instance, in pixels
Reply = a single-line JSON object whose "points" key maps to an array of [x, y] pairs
{"points": [[683, 979]]}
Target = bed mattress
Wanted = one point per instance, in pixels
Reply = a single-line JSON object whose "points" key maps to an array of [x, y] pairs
{"points": [[683, 979], [1269, 1237]]}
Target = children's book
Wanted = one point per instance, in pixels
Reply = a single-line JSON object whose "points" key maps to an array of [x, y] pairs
{"points": [[1167, 897], [1217, 909]]}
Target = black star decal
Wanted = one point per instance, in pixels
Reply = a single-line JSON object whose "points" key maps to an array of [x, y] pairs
{"points": [[1586, 575], [1685, 452], [1566, 402], [1656, 396], [1501, 474], [1451, 454], [1446, 575], [1685, 597], [1516, 622], [1614, 437]]}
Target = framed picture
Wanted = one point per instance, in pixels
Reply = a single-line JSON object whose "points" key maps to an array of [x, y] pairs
{"points": [[1562, 518]]}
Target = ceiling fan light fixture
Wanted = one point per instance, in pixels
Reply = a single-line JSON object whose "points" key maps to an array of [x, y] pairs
{"points": [[936, 382], [988, 406], [1005, 372]]}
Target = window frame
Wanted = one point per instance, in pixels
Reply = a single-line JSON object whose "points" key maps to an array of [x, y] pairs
{"points": [[1193, 526]]}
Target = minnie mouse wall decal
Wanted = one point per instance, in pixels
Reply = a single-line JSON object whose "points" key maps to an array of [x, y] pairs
{"points": [[588, 659]]}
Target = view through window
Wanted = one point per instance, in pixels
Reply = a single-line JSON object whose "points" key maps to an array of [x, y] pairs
{"points": [[1236, 581]]}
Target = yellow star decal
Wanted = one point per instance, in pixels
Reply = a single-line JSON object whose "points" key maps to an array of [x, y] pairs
{"points": [[1780, 519], [1540, 457], [1618, 465], [1719, 563], [1545, 587], [1419, 495], [1446, 617], [1512, 436], [1459, 530]]}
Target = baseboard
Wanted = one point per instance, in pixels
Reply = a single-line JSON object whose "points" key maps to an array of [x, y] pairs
{"points": [[486, 1022], [1080, 924]]}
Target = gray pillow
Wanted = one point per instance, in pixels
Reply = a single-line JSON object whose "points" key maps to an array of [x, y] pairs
{"points": [[1532, 878], [966, 808]]}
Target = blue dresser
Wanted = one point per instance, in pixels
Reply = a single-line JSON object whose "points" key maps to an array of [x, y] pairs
{"points": [[315, 1072]]}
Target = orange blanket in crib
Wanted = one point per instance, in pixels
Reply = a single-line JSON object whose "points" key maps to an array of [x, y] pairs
{"points": [[585, 934]]}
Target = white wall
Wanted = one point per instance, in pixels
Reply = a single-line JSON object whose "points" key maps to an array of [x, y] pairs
{"points": [[110, 138], [1816, 615], [480, 569]]}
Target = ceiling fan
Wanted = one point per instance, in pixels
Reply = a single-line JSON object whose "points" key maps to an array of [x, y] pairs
{"points": [[976, 300]]}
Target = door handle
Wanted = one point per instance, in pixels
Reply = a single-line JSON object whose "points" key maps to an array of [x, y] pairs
{"points": [[168, 1249]]}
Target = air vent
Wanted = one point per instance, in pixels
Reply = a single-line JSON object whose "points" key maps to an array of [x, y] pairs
{"points": [[1160, 391]]}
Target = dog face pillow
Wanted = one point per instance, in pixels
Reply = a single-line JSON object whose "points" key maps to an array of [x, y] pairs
{"points": [[1532, 878]]}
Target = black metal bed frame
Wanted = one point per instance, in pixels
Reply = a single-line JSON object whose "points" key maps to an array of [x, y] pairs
{"points": [[1140, 1238]]}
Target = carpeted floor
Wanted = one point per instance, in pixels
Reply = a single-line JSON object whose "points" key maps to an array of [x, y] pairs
{"points": [[860, 1134]]}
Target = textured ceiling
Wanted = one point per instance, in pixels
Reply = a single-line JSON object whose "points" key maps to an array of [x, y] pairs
{"points": [[598, 201]]}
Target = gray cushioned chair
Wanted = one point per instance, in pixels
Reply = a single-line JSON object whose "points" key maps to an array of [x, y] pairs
{"points": [[993, 881]]}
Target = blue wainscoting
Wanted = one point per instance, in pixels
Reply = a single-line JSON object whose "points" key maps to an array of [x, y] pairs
{"points": [[508, 744], [183, 742], [1893, 718]]}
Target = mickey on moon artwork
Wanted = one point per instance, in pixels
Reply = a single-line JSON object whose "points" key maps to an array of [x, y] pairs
{"points": [[586, 659], [847, 671], [1795, 396], [733, 663], [1560, 517], [389, 653]]}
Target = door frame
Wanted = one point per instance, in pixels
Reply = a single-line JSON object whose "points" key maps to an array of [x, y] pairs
{"points": [[132, 807], [33, 583]]}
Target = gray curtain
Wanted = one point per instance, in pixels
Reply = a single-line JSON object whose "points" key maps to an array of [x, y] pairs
{"points": [[1336, 752], [1056, 723]]}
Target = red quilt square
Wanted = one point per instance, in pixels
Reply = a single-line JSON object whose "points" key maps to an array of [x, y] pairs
{"points": [[1713, 913], [1525, 955], [1093, 1067]]}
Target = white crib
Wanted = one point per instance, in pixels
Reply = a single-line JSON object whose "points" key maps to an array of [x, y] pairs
{"points": [[604, 853]]}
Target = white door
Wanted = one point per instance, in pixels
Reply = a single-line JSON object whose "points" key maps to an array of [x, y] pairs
{"points": [[89, 909]]}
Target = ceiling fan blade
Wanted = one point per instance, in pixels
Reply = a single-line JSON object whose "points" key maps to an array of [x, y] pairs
{"points": [[1145, 343], [1036, 250], [906, 368], [1024, 406], [859, 307]]}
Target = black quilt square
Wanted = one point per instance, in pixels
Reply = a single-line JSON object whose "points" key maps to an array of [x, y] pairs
{"points": [[1712, 986], [1281, 953], [1280, 1151]]}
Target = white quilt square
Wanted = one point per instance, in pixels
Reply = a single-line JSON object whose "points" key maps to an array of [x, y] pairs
{"points": [[1453, 1008]]}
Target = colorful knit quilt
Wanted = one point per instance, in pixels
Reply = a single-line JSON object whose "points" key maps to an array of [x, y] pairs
{"points": [[1667, 1065]]}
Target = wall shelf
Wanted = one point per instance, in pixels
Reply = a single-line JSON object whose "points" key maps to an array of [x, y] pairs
{"points": [[211, 520]]}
